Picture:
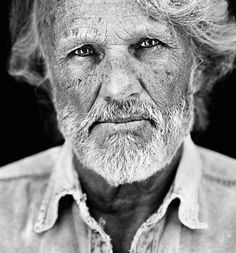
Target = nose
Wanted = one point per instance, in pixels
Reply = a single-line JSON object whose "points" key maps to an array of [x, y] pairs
{"points": [[121, 85]]}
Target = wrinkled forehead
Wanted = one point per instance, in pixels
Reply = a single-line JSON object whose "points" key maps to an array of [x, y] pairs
{"points": [[89, 8], [101, 17]]}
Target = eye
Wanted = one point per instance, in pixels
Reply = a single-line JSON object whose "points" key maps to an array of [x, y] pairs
{"points": [[84, 51], [148, 43]]}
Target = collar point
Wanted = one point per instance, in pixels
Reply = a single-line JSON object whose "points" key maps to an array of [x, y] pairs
{"points": [[38, 228], [194, 224]]}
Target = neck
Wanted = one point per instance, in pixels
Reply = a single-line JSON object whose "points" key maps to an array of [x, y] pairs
{"points": [[124, 208]]}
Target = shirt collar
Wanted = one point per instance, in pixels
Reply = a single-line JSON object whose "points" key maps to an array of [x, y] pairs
{"points": [[186, 186], [64, 181]]}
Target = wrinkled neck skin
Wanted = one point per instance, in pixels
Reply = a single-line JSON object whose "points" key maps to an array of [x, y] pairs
{"points": [[126, 207]]}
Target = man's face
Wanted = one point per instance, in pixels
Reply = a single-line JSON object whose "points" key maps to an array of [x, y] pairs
{"points": [[121, 86]]}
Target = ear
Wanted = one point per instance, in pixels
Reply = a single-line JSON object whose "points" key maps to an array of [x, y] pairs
{"points": [[196, 78], [30, 65]]}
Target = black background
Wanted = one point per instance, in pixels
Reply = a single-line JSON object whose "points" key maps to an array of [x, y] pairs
{"points": [[22, 119]]}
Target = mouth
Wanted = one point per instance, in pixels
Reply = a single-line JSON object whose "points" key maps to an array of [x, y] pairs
{"points": [[120, 123], [120, 120]]}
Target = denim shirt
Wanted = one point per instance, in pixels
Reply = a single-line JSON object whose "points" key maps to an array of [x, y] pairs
{"points": [[43, 209]]}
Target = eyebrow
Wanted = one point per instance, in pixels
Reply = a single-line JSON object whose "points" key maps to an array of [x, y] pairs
{"points": [[86, 35]]}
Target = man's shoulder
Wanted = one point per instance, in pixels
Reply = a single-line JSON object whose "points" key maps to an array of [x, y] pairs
{"points": [[217, 188], [22, 186], [38, 166], [218, 168], [217, 194]]}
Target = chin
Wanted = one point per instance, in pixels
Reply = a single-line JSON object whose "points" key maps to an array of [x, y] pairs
{"points": [[127, 158]]}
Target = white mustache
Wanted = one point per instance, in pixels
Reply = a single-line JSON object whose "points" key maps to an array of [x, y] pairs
{"points": [[133, 108], [116, 111]]}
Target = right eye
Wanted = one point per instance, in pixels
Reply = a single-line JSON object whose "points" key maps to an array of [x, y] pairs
{"points": [[84, 51], [148, 43]]}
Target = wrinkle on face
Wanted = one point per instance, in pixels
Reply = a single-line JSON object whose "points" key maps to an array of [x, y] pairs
{"points": [[112, 32]]}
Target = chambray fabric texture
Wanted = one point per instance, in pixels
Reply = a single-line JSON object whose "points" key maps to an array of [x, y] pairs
{"points": [[43, 209]]}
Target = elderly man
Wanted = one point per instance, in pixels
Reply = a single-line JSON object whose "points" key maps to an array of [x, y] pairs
{"points": [[128, 79]]}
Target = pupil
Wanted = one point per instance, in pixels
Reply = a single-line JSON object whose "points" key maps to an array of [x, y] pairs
{"points": [[84, 51]]}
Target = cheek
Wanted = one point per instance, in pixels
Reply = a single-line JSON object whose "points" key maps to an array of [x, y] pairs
{"points": [[79, 86], [166, 81]]}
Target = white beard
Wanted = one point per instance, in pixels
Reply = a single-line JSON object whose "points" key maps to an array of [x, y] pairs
{"points": [[127, 157]]}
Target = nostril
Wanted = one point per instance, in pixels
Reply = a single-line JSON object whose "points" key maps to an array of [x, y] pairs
{"points": [[108, 99], [135, 94]]}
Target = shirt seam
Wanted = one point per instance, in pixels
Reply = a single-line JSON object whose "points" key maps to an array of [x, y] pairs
{"points": [[219, 181], [35, 176]]}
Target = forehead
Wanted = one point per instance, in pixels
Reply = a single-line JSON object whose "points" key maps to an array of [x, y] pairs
{"points": [[100, 18]]}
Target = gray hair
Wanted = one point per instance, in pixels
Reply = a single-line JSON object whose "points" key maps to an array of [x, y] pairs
{"points": [[206, 23]]}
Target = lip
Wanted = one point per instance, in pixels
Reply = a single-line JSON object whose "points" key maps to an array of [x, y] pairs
{"points": [[121, 120], [120, 124]]}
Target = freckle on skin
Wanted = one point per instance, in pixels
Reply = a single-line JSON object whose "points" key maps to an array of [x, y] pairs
{"points": [[52, 19], [99, 20]]}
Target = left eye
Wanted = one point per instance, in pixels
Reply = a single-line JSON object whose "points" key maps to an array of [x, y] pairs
{"points": [[84, 51], [147, 43]]}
